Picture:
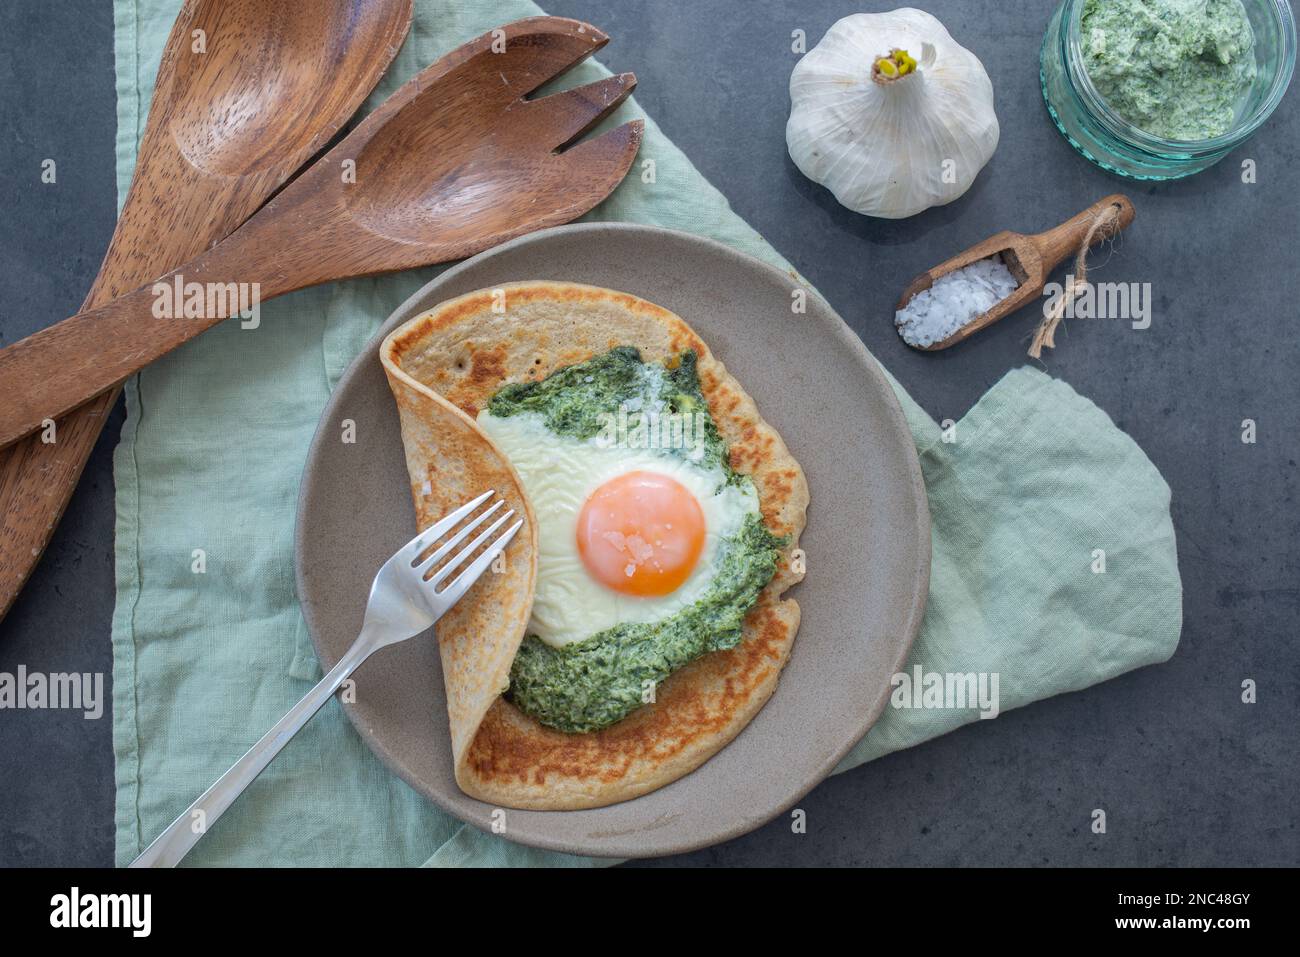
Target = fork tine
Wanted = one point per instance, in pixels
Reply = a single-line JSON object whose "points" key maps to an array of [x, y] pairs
{"points": [[456, 590], [610, 153], [411, 550], [459, 537], [563, 117], [454, 562], [536, 50]]}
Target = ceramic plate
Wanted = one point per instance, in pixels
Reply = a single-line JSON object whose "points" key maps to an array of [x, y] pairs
{"points": [[867, 540]]}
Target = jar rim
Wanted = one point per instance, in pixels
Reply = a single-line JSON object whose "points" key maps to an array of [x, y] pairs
{"points": [[1072, 41]]}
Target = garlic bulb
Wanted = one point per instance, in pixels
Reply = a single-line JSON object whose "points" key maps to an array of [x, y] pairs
{"points": [[891, 114]]}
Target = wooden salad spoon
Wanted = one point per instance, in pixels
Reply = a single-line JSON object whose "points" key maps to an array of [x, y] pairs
{"points": [[247, 91], [456, 161], [1030, 260]]}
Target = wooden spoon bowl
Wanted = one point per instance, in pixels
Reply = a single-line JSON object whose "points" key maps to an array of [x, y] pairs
{"points": [[275, 80], [299, 56]]}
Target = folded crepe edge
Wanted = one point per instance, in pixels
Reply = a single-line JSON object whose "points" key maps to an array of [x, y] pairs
{"points": [[481, 465]]}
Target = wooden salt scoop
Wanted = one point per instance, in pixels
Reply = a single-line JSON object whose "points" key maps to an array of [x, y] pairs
{"points": [[1029, 259], [455, 162]]}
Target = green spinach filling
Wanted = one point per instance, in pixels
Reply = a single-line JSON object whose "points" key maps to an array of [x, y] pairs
{"points": [[578, 400], [590, 684]]}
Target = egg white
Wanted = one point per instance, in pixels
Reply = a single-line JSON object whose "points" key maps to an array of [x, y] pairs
{"points": [[559, 473]]}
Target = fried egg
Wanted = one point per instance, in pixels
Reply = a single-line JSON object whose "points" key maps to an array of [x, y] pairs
{"points": [[624, 535]]}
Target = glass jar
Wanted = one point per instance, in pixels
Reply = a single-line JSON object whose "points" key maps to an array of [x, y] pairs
{"points": [[1106, 138]]}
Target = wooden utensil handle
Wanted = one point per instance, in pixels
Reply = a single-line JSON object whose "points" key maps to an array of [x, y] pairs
{"points": [[175, 210], [37, 477], [1056, 244], [57, 369]]}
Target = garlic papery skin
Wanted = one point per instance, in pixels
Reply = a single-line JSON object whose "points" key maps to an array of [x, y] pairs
{"points": [[891, 144]]}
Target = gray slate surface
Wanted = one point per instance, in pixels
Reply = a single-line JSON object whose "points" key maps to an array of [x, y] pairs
{"points": [[1187, 773]]}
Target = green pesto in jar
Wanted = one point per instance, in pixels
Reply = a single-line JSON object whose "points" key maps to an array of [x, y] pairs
{"points": [[1176, 69]]}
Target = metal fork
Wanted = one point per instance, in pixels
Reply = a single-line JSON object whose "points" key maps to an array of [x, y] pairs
{"points": [[403, 603]]}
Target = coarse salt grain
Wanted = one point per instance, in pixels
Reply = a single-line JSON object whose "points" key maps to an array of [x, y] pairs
{"points": [[934, 314]]}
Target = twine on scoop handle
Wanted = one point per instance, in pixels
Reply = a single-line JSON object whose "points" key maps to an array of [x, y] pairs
{"points": [[1104, 225]]}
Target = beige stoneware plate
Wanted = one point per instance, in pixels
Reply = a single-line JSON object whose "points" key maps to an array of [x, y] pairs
{"points": [[867, 540]]}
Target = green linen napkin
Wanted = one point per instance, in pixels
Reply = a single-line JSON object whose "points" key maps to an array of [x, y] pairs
{"points": [[209, 646]]}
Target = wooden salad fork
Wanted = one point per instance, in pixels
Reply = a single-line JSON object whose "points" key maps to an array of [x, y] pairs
{"points": [[247, 92], [405, 601], [456, 161]]}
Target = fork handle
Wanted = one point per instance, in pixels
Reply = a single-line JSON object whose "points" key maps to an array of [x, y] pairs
{"points": [[184, 832]]}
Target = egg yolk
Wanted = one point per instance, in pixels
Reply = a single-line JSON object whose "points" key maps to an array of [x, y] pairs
{"points": [[641, 534]]}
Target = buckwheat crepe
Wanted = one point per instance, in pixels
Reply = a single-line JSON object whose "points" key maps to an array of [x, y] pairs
{"points": [[443, 368]]}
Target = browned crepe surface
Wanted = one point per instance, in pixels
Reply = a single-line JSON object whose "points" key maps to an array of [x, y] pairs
{"points": [[443, 367]]}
